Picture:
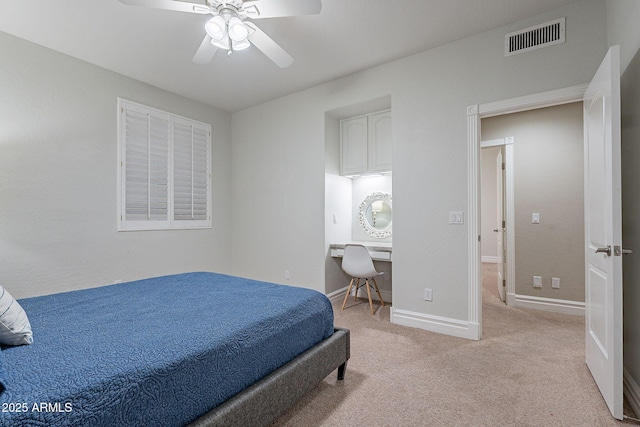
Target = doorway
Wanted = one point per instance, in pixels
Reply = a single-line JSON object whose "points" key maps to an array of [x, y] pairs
{"points": [[474, 116], [497, 217], [493, 223], [547, 152]]}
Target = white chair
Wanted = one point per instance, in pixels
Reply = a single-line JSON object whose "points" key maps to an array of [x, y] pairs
{"points": [[357, 263]]}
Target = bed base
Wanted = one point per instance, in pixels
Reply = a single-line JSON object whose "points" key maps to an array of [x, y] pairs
{"points": [[264, 401]]}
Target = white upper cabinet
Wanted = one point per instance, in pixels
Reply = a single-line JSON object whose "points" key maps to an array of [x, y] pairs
{"points": [[353, 141], [366, 143], [379, 144]]}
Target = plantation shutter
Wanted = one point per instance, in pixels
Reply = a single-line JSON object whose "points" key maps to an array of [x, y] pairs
{"points": [[145, 165], [165, 170], [190, 172]]}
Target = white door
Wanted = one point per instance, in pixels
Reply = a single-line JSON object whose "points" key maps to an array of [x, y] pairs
{"points": [[500, 228], [603, 231]]}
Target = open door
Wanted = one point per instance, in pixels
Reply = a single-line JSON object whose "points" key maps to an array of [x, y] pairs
{"points": [[501, 283], [603, 231]]}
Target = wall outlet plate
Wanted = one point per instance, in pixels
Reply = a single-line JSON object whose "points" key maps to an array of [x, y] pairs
{"points": [[555, 282], [537, 281], [428, 294]]}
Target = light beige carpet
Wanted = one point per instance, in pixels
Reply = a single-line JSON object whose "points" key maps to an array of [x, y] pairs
{"points": [[528, 370]]}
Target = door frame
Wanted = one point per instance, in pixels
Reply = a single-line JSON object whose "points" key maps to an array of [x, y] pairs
{"points": [[474, 115], [509, 210]]}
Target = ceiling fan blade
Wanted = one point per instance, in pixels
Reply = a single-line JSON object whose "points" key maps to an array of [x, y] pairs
{"points": [[271, 49], [180, 6], [205, 52], [259, 9]]}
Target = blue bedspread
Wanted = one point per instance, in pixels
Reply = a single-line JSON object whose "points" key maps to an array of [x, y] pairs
{"points": [[155, 352]]}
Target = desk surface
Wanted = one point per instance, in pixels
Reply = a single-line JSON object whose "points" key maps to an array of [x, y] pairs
{"points": [[380, 251]]}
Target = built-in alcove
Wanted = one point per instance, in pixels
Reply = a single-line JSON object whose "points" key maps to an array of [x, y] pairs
{"points": [[344, 196]]}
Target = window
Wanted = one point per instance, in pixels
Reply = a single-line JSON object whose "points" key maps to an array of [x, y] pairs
{"points": [[164, 174]]}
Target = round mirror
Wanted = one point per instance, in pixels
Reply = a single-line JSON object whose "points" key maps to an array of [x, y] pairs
{"points": [[376, 215]]}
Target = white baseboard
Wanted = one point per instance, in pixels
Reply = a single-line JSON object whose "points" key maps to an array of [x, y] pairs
{"points": [[490, 259], [442, 325], [550, 304], [336, 295], [631, 391], [340, 293]]}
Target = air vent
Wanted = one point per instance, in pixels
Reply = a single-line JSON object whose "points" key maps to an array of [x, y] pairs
{"points": [[531, 38]]}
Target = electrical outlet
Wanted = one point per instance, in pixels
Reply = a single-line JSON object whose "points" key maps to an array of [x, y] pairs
{"points": [[555, 282], [537, 281], [428, 294], [287, 274]]}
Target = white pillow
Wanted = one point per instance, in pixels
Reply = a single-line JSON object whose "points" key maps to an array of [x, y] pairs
{"points": [[15, 328]]}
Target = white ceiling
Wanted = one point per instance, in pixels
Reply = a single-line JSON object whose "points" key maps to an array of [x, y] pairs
{"points": [[156, 46]]}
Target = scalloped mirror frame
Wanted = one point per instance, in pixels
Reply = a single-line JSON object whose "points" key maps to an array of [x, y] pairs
{"points": [[362, 217]]}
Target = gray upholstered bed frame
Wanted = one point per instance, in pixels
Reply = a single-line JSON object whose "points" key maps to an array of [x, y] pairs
{"points": [[264, 401]]}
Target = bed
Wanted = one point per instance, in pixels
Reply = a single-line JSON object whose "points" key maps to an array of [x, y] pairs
{"points": [[198, 349]]}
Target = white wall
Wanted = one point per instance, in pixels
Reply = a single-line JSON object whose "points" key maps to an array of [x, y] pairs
{"points": [[338, 195], [623, 29], [630, 86], [278, 150], [58, 164]]}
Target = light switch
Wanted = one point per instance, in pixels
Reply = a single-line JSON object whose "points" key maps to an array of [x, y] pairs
{"points": [[535, 218], [456, 217], [335, 218]]}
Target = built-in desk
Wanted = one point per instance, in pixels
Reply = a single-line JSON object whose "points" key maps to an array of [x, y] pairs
{"points": [[380, 251]]}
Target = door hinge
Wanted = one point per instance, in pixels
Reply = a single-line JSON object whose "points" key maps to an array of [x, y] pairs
{"points": [[504, 224], [503, 166], [504, 282]]}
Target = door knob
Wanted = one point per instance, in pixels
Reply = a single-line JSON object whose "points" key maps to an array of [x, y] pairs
{"points": [[606, 250], [495, 231]]}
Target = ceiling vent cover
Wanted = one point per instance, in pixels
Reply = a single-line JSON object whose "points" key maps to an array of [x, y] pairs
{"points": [[531, 38]]}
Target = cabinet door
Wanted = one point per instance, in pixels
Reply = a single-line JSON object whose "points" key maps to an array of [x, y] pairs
{"points": [[380, 142], [353, 141]]}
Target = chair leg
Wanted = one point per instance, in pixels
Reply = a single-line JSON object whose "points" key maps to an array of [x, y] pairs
{"points": [[348, 292], [377, 290], [355, 294], [369, 293]]}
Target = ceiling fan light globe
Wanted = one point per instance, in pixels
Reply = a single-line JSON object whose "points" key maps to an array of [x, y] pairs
{"points": [[237, 30], [216, 28]]}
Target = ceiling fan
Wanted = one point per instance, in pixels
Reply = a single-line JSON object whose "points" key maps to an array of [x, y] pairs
{"points": [[229, 28]]}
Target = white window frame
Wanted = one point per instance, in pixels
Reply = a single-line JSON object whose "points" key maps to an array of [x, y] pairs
{"points": [[173, 123]]}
